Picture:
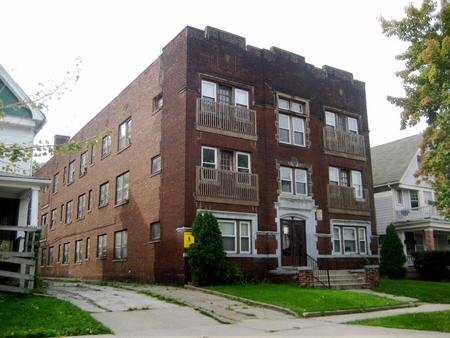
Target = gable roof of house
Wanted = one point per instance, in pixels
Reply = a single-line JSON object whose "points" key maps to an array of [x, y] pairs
{"points": [[11, 93], [390, 160]]}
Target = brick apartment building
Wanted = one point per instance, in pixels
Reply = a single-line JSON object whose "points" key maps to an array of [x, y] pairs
{"points": [[276, 148]]}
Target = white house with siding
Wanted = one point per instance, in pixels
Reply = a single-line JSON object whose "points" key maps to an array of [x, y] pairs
{"points": [[405, 200]]}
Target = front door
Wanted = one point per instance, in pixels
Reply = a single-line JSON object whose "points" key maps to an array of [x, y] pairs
{"points": [[293, 243]]}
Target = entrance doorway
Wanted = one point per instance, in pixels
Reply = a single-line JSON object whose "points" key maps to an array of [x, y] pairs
{"points": [[293, 242]]}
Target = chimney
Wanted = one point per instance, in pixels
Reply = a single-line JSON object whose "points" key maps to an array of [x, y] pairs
{"points": [[59, 140]]}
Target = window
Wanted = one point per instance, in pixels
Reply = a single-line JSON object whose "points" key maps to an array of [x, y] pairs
{"points": [[158, 102], [291, 130], [66, 250], [88, 248], [81, 206], [50, 256], [124, 135], [92, 152], [90, 197], [43, 256], [83, 164], [69, 212], [71, 173], [349, 240], [122, 188], [228, 160], [156, 164], [78, 251], [428, 197], [106, 145], [236, 236], [59, 253], [225, 94], [53, 219], [155, 231], [341, 122], [299, 186], [209, 156], [44, 220], [61, 215], [291, 105], [101, 246], [56, 183], [65, 175], [414, 199], [104, 195], [120, 244], [338, 176]]}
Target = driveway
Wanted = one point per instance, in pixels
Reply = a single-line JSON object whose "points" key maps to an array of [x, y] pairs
{"points": [[129, 313]]}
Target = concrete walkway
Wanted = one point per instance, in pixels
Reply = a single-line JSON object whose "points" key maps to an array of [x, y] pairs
{"points": [[128, 313]]}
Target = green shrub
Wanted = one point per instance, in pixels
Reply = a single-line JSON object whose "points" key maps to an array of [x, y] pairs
{"points": [[206, 255], [433, 265], [392, 260]]}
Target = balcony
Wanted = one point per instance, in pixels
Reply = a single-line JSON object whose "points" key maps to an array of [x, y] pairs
{"points": [[342, 200], [225, 119], [342, 143], [425, 212], [225, 186]]}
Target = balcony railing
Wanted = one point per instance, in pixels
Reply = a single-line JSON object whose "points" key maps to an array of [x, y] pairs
{"points": [[225, 186], [226, 119], [427, 211], [342, 200], [344, 143]]}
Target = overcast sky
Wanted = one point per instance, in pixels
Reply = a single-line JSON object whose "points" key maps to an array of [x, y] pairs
{"points": [[117, 40]]}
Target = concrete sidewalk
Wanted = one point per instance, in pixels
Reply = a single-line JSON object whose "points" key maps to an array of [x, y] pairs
{"points": [[129, 313]]}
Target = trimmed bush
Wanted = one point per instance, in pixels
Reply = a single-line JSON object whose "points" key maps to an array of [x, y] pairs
{"points": [[392, 260], [433, 265], [206, 255]]}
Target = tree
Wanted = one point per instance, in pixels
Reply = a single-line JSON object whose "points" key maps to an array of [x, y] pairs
{"points": [[426, 81], [14, 153], [206, 255], [392, 260]]}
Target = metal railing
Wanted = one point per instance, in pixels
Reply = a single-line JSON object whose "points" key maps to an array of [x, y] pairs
{"points": [[341, 141], [226, 186], [409, 214], [322, 276], [223, 117]]}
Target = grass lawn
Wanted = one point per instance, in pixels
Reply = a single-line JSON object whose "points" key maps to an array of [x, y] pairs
{"points": [[431, 321], [430, 292], [36, 316], [302, 300]]}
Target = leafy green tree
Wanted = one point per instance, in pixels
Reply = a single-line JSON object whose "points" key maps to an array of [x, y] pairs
{"points": [[207, 255], [392, 260], [426, 81]]}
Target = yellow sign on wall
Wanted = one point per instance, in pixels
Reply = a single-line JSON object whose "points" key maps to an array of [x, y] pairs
{"points": [[188, 239]]}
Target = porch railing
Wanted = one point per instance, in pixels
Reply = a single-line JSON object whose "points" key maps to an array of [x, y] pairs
{"points": [[343, 142], [322, 276], [342, 199], [225, 186], [17, 249], [408, 214], [226, 119]]}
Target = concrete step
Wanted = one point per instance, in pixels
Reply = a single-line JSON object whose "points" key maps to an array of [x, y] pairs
{"points": [[341, 279]]}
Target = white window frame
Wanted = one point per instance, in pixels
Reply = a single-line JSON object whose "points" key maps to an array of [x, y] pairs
{"points": [[355, 239], [122, 188], [209, 86], [120, 244], [284, 106], [330, 119], [124, 135], [234, 235], [284, 177], [282, 126], [357, 184], [333, 175], [304, 180], [156, 164], [416, 192], [209, 163], [241, 93], [352, 125], [337, 248], [428, 198], [78, 251], [103, 198], [399, 196], [362, 238], [81, 206], [242, 169], [300, 130], [248, 237], [101, 245]]}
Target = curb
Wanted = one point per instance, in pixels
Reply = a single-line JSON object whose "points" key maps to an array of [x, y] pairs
{"points": [[350, 311]]}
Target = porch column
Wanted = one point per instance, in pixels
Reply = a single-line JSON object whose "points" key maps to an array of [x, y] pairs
{"points": [[402, 237], [428, 241], [34, 207]]}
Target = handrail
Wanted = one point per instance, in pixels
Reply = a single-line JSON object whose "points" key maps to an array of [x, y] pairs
{"points": [[323, 275]]}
